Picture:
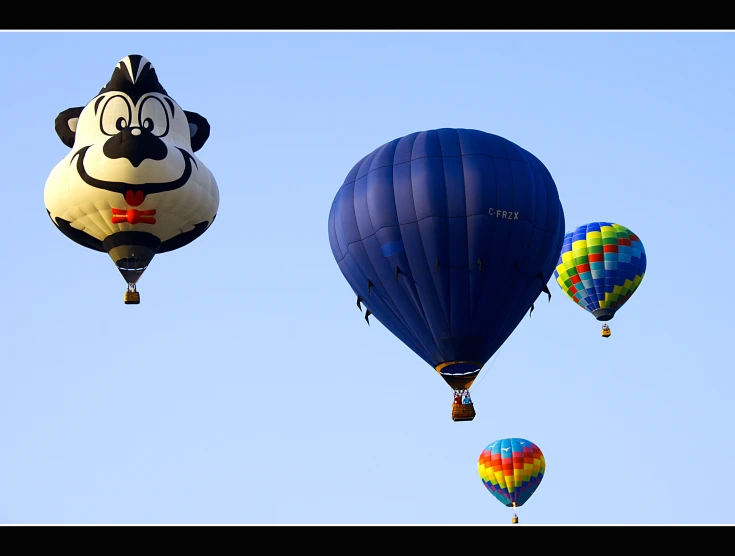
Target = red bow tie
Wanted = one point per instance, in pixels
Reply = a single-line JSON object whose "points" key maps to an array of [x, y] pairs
{"points": [[133, 216]]}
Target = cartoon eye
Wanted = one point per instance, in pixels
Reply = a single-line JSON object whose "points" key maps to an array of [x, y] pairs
{"points": [[115, 115], [153, 116]]}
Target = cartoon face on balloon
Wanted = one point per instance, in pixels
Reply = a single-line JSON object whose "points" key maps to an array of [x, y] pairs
{"points": [[132, 167]]}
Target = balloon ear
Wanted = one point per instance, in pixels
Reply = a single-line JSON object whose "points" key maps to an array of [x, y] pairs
{"points": [[198, 128], [66, 125]]}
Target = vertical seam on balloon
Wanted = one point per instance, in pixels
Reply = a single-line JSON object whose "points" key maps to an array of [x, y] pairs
{"points": [[490, 267], [416, 297], [533, 195], [449, 239], [579, 286], [505, 468], [423, 246], [513, 191], [419, 306], [612, 278], [337, 216], [618, 275], [599, 292], [332, 225], [542, 262], [503, 266], [480, 282], [555, 228], [467, 234], [513, 196], [591, 303], [468, 297]]}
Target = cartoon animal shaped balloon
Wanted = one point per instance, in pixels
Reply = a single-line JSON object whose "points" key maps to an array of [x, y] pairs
{"points": [[131, 185], [600, 267], [511, 470]]}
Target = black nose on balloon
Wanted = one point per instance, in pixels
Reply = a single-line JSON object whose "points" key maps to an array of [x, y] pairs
{"points": [[135, 144]]}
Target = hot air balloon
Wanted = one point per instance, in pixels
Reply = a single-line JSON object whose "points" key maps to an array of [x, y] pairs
{"points": [[600, 267], [131, 186], [512, 469], [447, 237]]}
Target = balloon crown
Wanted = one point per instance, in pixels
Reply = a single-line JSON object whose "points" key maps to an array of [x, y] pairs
{"points": [[135, 76]]}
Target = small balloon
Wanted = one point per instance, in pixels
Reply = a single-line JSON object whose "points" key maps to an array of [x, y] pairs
{"points": [[511, 470], [600, 267]]}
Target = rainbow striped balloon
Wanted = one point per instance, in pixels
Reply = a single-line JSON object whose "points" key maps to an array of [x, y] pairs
{"points": [[511, 469], [601, 265]]}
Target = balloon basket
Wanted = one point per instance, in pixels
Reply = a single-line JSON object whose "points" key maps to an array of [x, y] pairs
{"points": [[463, 412], [515, 519], [606, 333], [132, 298]]}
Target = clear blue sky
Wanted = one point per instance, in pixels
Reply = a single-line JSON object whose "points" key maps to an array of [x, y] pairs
{"points": [[247, 388]]}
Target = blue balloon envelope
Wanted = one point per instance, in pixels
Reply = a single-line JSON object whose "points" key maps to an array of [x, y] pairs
{"points": [[448, 237]]}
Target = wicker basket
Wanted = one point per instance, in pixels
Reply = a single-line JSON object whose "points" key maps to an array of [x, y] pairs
{"points": [[463, 412]]}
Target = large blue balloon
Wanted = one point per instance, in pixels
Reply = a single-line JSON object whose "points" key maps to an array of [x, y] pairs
{"points": [[447, 237]]}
